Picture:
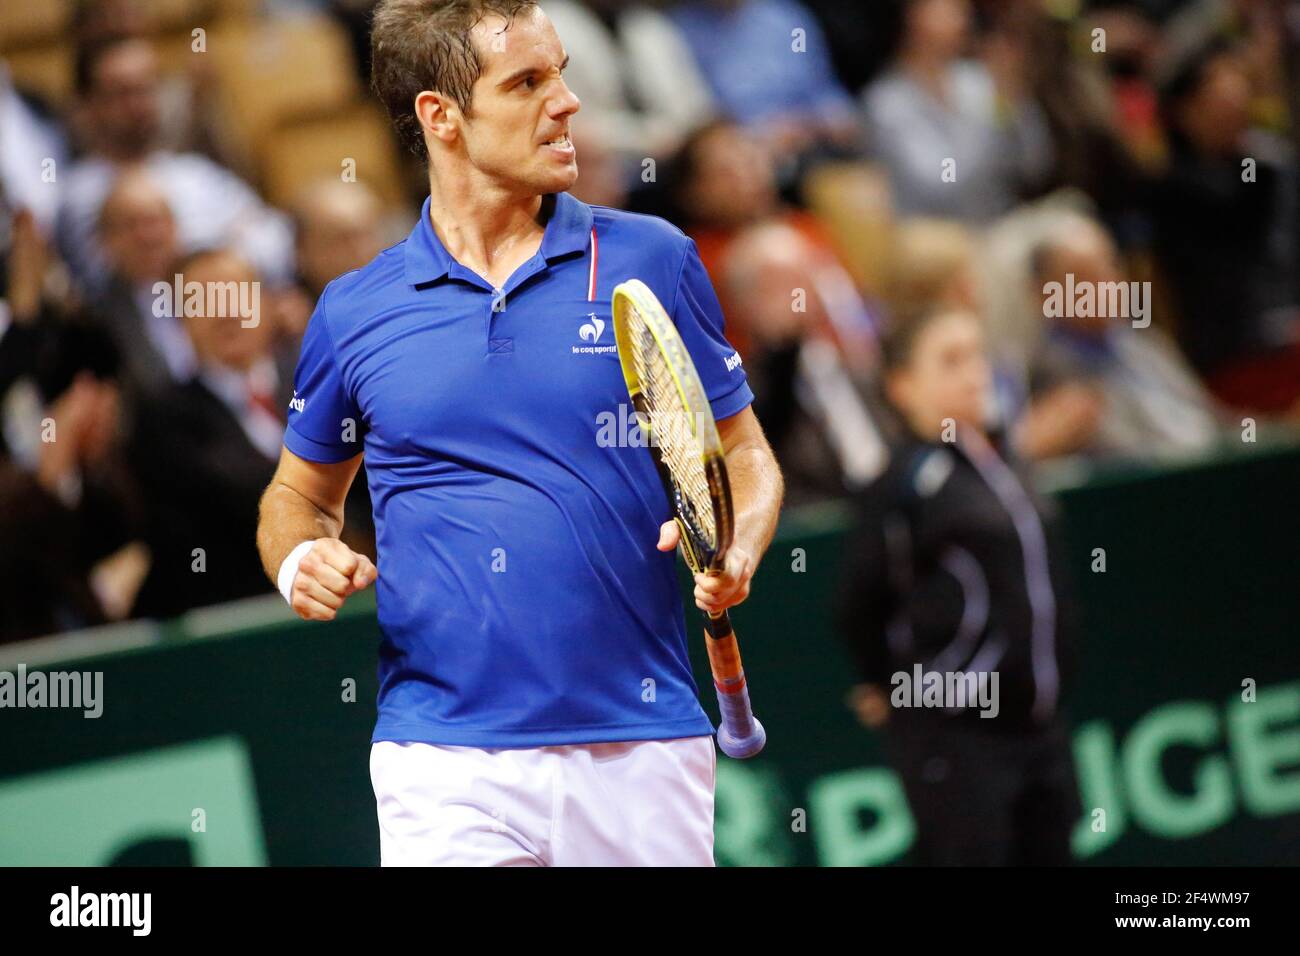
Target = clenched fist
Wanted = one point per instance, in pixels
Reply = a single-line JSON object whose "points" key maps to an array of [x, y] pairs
{"points": [[327, 575]]}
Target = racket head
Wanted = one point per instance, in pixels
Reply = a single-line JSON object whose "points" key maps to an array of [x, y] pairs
{"points": [[674, 414]]}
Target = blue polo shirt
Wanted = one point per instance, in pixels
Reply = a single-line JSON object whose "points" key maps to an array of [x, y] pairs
{"points": [[522, 601]]}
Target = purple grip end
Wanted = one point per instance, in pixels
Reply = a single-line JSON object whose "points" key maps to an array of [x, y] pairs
{"points": [[740, 735]]}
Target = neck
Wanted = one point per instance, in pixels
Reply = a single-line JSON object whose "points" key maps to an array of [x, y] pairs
{"points": [[482, 225]]}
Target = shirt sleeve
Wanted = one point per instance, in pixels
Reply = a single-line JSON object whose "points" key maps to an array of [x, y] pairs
{"points": [[324, 423], [699, 319]]}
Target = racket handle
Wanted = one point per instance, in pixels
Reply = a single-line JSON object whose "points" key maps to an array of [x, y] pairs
{"points": [[740, 735]]}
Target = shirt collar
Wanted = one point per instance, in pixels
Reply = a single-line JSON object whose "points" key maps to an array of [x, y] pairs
{"points": [[234, 387], [567, 232]]}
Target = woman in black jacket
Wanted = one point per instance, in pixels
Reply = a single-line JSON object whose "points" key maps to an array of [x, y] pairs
{"points": [[954, 607]]}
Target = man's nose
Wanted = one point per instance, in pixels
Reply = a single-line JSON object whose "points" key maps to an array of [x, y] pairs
{"points": [[565, 103]]}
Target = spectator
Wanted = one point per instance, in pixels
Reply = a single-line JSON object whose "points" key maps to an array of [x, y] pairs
{"points": [[337, 228], [71, 523], [1258, 30], [189, 118], [1101, 111], [1101, 387], [768, 68], [954, 572], [137, 234], [1227, 237], [205, 449], [936, 264], [807, 397], [117, 83], [722, 181], [960, 138]]}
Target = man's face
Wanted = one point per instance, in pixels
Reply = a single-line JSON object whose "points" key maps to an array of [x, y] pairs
{"points": [[734, 180], [123, 103], [1091, 257], [139, 233], [1218, 114], [341, 233], [786, 262], [942, 26], [517, 128], [222, 336]]}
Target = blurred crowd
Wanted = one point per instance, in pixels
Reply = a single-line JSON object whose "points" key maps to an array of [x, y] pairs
{"points": [[842, 167]]}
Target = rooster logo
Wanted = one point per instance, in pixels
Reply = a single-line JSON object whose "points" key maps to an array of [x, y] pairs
{"points": [[590, 331]]}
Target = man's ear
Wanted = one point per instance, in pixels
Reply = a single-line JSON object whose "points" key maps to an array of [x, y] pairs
{"points": [[439, 116]]}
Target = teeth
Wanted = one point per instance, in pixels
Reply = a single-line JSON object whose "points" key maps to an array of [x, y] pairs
{"points": [[560, 141]]}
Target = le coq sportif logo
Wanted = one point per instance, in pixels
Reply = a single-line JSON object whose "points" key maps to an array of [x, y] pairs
{"points": [[590, 331]]}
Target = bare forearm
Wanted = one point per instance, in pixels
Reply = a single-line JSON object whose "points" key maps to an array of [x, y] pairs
{"points": [[286, 519], [757, 489]]}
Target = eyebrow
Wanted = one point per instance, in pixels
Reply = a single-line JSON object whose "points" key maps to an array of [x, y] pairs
{"points": [[518, 75]]}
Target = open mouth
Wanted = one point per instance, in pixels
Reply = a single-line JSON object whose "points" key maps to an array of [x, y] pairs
{"points": [[560, 142]]}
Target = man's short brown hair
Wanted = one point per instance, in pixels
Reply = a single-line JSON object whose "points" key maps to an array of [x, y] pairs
{"points": [[420, 45]]}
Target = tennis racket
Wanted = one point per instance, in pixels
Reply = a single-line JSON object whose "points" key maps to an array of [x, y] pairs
{"points": [[674, 414]]}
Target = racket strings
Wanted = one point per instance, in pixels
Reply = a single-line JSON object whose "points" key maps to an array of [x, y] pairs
{"points": [[674, 432]]}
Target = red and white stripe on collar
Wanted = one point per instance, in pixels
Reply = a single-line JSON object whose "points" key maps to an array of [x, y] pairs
{"points": [[591, 279]]}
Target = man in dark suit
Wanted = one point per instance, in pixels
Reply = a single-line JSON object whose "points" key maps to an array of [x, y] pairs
{"points": [[204, 449], [137, 233]]}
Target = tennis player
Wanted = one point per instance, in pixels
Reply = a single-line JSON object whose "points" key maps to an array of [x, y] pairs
{"points": [[536, 702]]}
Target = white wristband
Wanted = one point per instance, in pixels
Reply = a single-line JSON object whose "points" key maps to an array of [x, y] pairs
{"points": [[289, 569]]}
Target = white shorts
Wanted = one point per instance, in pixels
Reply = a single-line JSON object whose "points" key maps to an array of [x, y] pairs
{"points": [[640, 803]]}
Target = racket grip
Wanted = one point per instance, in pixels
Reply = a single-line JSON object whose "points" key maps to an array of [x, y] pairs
{"points": [[740, 735]]}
